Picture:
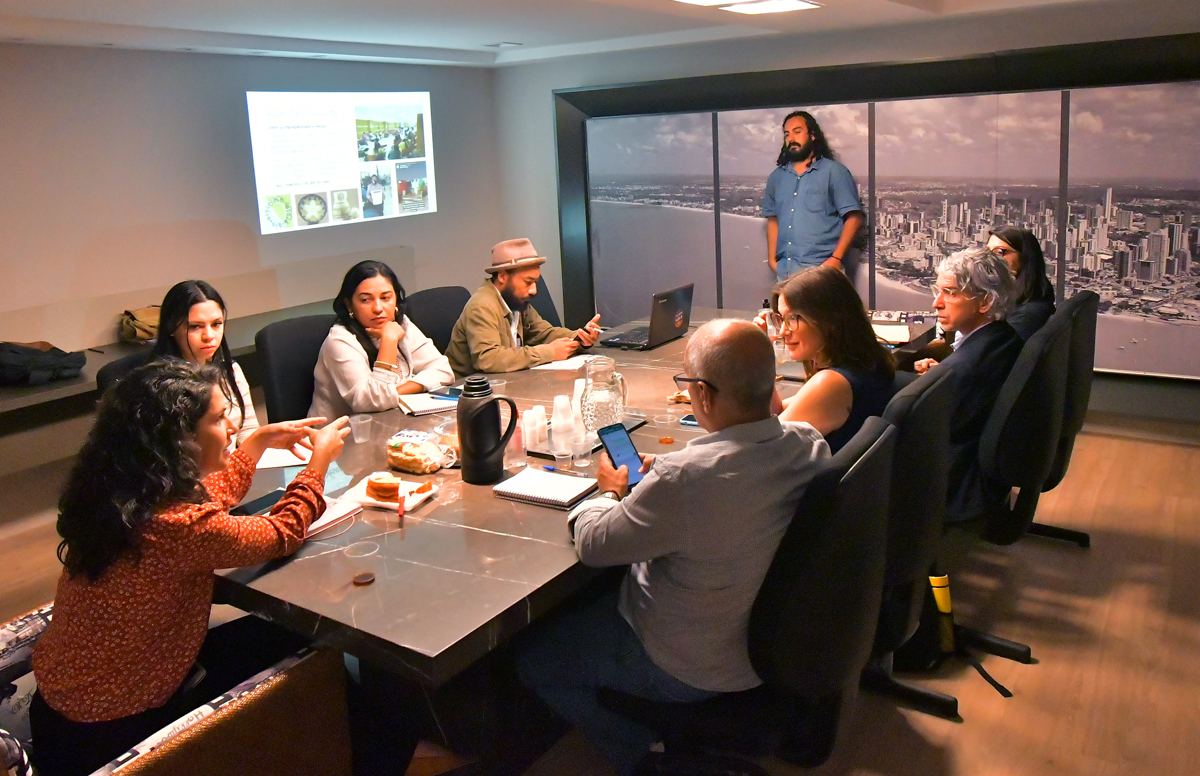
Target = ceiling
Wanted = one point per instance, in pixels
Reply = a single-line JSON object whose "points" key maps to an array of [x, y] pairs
{"points": [[456, 32]]}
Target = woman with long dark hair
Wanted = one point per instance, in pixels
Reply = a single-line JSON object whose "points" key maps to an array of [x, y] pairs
{"points": [[145, 520], [822, 320], [191, 326], [373, 354], [1022, 252]]}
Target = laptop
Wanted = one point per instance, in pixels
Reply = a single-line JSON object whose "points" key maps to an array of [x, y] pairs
{"points": [[670, 313]]}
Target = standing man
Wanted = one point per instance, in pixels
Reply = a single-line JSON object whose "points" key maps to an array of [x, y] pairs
{"points": [[811, 204], [499, 331]]}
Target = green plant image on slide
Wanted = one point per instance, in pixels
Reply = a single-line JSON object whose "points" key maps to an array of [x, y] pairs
{"points": [[277, 210]]}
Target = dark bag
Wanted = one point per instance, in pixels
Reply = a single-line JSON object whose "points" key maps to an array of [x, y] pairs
{"points": [[37, 363]]}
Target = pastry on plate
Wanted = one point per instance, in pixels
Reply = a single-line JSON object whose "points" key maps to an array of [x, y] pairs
{"points": [[383, 487]]}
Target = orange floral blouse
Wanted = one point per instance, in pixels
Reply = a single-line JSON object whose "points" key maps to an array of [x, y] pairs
{"points": [[125, 643]]}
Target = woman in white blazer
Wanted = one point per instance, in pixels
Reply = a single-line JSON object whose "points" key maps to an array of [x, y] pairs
{"points": [[373, 354]]}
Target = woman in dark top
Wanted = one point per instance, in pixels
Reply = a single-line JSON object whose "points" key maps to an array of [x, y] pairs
{"points": [[1022, 252], [822, 320]]}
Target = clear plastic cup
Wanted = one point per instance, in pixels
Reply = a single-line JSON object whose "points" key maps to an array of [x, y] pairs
{"points": [[360, 426], [581, 450], [665, 426], [562, 460]]}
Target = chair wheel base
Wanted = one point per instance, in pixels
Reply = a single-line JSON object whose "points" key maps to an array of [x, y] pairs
{"points": [[927, 701], [1062, 534], [993, 645]]}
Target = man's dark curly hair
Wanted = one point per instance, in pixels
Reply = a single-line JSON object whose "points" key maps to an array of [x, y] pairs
{"points": [[140, 457], [820, 146]]}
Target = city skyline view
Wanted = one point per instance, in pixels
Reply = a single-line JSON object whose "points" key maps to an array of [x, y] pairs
{"points": [[951, 169]]}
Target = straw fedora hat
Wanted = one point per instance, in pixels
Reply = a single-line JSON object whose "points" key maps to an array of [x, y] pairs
{"points": [[514, 254]]}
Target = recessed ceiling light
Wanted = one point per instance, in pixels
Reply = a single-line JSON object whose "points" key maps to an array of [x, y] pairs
{"points": [[503, 44], [771, 6], [714, 2]]}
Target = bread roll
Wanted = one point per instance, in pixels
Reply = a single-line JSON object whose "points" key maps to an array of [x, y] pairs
{"points": [[383, 487], [415, 457]]}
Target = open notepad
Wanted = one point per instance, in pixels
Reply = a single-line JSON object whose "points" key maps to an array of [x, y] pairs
{"points": [[426, 404], [543, 488]]}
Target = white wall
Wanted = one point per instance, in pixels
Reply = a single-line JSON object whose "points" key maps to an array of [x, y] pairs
{"points": [[525, 108], [127, 171]]}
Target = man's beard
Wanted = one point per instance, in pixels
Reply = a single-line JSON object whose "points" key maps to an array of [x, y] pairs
{"points": [[514, 304], [798, 153]]}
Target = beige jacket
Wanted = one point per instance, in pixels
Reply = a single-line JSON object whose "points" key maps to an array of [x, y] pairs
{"points": [[482, 339]]}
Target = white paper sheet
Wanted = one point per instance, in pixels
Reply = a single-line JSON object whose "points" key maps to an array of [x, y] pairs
{"points": [[895, 333], [570, 365], [278, 459]]}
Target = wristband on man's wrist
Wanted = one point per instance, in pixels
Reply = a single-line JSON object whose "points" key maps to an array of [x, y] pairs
{"points": [[615, 496]]}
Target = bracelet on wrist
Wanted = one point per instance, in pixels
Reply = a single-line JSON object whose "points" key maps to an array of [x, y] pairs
{"points": [[615, 496], [387, 366]]}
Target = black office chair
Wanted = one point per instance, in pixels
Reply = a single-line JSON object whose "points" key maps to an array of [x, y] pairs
{"points": [[110, 374], [436, 310], [921, 413], [544, 304], [288, 351], [1081, 311], [810, 627]]}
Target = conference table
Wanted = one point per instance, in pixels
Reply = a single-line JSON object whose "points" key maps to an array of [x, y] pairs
{"points": [[465, 571]]}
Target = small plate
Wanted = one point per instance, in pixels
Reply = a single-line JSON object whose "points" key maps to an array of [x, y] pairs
{"points": [[358, 493]]}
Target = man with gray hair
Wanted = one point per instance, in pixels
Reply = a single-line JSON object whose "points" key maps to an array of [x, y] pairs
{"points": [[699, 531], [974, 291]]}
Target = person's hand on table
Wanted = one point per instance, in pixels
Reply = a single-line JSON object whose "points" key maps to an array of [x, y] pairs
{"points": [[327, 444], [564, 348], [591, 332], [288, 435], [924, 365], [617, 480]]}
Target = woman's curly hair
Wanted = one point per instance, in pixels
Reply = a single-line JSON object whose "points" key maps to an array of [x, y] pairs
{"points": [[140, 457]]}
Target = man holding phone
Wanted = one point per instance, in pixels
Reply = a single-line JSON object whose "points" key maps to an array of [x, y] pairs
{"points": [[699, 533], [500, 331]]}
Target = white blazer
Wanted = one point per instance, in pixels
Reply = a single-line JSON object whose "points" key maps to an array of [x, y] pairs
{"points": [[251, 420], [344, 383]]}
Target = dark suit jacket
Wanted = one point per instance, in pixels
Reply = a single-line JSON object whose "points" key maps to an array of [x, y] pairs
{"points": [[1027, 318], [981, 365]]}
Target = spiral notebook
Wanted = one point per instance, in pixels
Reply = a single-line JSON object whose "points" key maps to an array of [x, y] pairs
{"points": [[546, 489]]}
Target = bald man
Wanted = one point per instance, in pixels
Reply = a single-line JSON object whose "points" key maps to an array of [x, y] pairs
{"points": [[699, 531]]}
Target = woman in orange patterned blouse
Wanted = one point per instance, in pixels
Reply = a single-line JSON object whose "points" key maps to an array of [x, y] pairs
{"points": [[145, 521]]}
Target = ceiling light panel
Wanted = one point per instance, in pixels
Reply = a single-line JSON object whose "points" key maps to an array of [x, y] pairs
{"points": [[770, 6], [715, 2]]}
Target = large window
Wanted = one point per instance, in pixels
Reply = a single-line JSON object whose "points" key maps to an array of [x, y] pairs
{"points": [[946, 171]]}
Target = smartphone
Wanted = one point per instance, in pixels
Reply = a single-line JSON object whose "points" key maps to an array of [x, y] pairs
{"points": [[449, 392], [688, 420], [621, 451]]}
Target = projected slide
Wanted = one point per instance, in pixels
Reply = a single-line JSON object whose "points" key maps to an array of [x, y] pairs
{"points": [[330, 158]]}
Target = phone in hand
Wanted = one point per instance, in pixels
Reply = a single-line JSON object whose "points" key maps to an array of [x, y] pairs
{"points": [[621, 451], [688, 420]]}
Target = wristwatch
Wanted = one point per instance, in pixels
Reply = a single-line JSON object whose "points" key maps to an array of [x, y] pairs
{"points": [[611, 493]]}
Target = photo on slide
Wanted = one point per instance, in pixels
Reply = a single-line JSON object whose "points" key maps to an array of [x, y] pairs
{"points": [[951, 169], [312, 208], [389, 132], [344, 205], [412, 186], [1132, 224], [277, 212], [376, 185]]}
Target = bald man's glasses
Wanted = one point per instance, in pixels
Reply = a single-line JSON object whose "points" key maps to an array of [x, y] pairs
{"points": [[682, 381]]}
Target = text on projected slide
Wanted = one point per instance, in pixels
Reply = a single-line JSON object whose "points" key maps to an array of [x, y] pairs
{"points": [[330, 158]]}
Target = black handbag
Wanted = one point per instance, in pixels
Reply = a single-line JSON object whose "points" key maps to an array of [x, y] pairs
{"points": [[22, 364]]}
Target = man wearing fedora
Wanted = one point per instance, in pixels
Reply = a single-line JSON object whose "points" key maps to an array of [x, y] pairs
{"points": [[499, 331]]}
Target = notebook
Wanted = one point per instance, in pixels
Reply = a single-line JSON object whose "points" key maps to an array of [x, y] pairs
{"points": [[336, 512], [426, 404], [546, 489]]}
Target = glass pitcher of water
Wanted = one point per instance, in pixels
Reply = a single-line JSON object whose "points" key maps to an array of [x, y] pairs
{"points": [[603, 402]]}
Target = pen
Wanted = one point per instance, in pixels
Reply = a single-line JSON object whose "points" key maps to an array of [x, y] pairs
{"points": [[563, 471], [443, 398]]}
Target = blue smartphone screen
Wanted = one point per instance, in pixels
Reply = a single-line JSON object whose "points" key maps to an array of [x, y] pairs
{"points": [[621, 451]]}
